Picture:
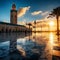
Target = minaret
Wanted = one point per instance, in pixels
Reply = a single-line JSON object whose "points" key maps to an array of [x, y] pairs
{"points": [[13, 15]]}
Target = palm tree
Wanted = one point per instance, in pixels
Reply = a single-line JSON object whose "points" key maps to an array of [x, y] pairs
{"points": [[56, 13]]}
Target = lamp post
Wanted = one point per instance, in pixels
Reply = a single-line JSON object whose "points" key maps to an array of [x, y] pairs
{"points": [[29, 24], [35, 25]]}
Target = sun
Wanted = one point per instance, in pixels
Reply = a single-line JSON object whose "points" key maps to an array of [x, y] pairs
{"points": [[51, 23]]}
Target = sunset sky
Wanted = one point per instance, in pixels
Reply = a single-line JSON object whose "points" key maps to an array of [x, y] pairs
{"points": [[28, 10]]}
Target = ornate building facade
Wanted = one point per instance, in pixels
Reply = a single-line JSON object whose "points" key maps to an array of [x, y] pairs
{"points": [[12, 26]]}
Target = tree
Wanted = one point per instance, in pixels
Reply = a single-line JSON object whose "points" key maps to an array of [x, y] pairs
{"points": [[56, 13]]}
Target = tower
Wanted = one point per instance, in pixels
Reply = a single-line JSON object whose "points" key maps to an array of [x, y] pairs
{"points": [[13, 15]]}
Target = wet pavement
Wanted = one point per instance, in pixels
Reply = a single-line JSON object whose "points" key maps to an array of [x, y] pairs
{"points": [[29, 46]]}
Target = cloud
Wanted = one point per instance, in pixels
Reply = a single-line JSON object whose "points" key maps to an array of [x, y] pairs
{"points": [[22, 11], [44, 13], [23, 22], [36, 12], [40, 12], [7, 21], [45, 19]]}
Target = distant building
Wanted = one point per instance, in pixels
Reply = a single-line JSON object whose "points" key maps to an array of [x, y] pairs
{"points": [[44, 25]]}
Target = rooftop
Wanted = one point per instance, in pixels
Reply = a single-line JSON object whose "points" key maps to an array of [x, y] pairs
{"points": [[11, 24]]}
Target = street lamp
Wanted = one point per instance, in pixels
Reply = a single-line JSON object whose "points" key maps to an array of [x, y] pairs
{"points": [[35, 25], [29, 24]]}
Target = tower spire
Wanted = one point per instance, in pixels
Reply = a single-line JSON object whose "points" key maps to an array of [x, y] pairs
{"points": [[13, 6]]}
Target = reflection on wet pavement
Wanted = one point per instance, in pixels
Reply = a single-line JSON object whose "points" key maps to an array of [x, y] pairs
{"points": [[29, 46]]}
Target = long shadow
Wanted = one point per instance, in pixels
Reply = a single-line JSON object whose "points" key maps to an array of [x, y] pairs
{"points": [[57, 48]]}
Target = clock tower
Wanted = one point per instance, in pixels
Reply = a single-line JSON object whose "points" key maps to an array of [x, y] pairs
{"points": [[13, 15]]}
